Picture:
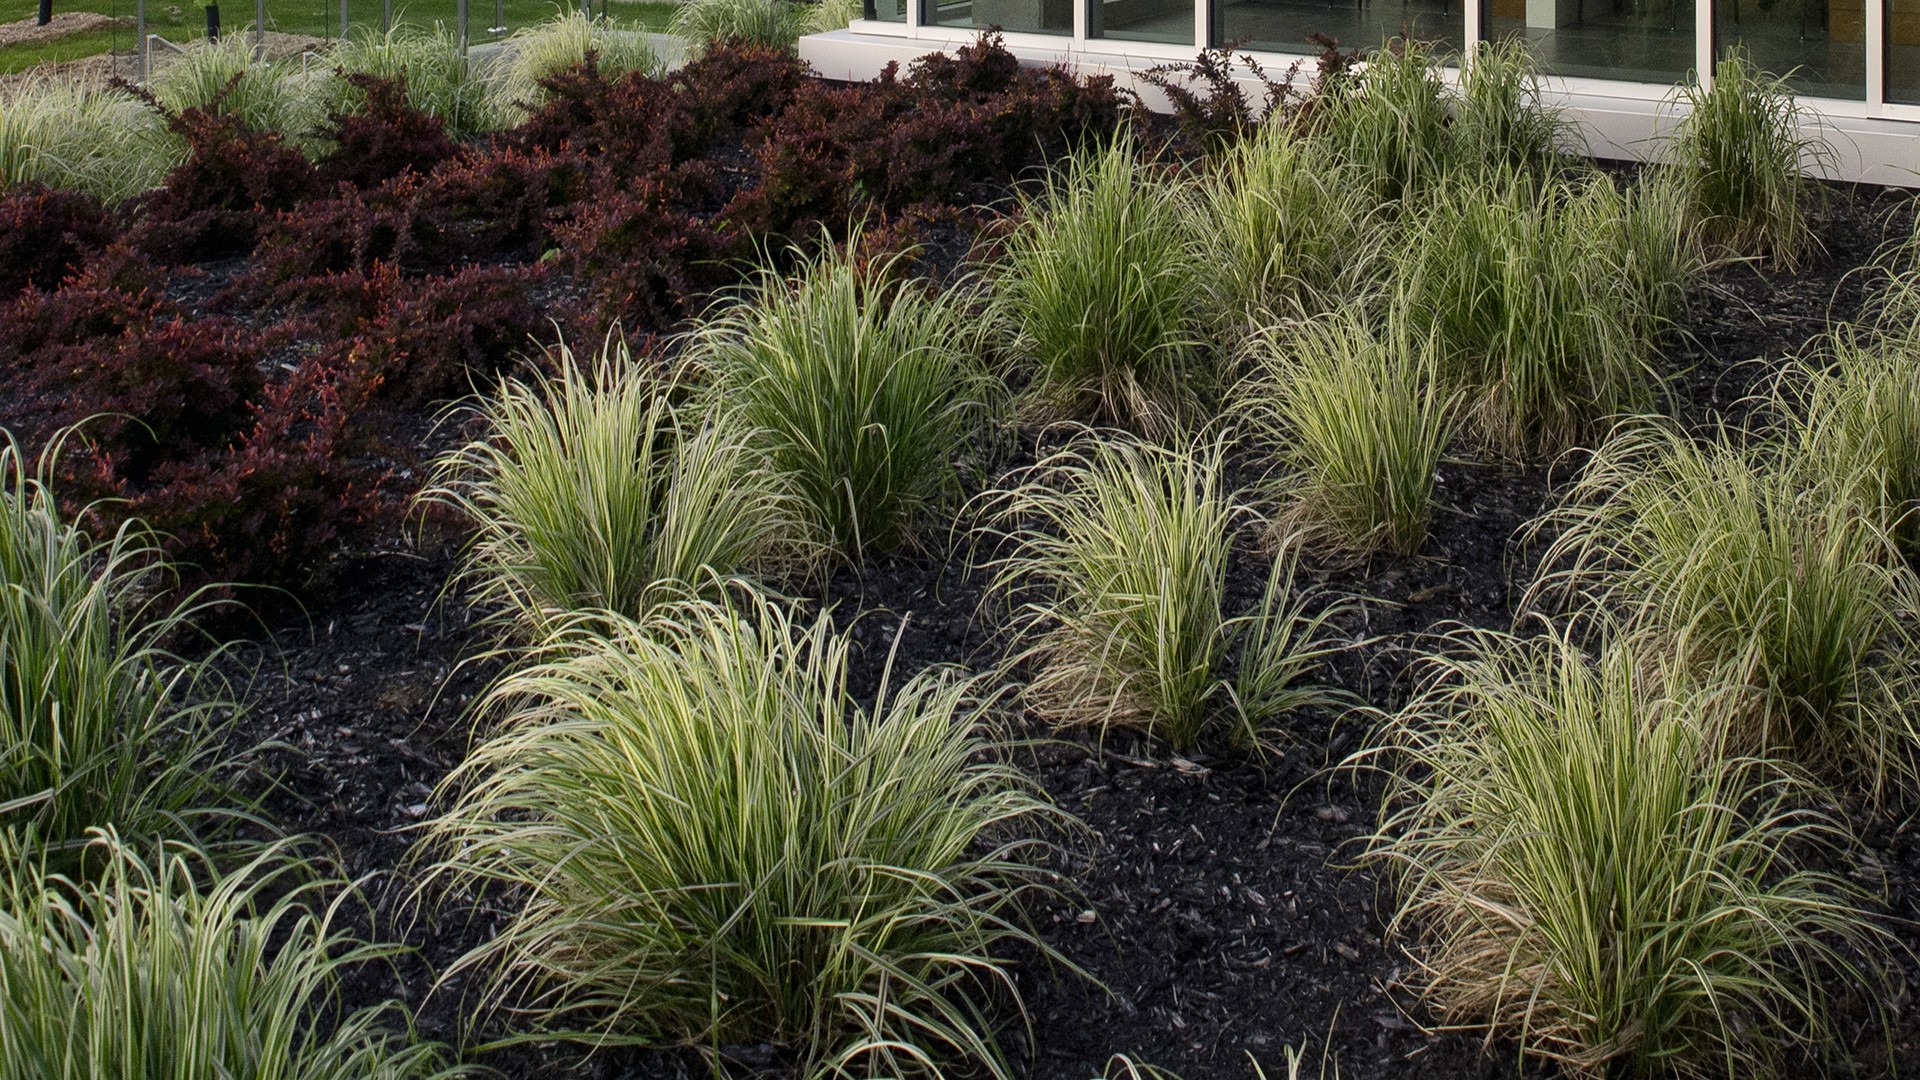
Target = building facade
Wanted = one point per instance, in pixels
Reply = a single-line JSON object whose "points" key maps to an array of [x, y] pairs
{"points": [[1612, 65]]}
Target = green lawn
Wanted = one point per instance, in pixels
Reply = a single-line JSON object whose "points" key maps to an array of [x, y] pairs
{"points": [[183, 21]]}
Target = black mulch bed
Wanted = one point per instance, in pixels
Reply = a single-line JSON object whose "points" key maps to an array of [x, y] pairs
{"points": [[1216, 901]]}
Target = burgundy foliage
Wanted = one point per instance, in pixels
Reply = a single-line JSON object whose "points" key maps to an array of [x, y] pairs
{"points": [[382, 138], [45, 235], [234, 178], [271, 337]]}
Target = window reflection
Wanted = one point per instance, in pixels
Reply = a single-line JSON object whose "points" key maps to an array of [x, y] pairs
{"points": [[1903, 51], [1289, 25], [1633, 40], [1819, 45], [1169, 21], [1013, 16]]}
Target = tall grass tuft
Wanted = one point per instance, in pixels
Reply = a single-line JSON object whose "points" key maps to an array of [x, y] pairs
{"points": [[1738, 152], [716, 845], [1357, 422], [1546, 304], [1756, 570], [99, 723], [1102, 286], [161, 964], [1500, 123], [1894, 307], [1856, 410], [1391, 124], [1118, 554], [776, 24], [1583, 866], [1286, 230], [226, 75], [69, 134], [592, 490], [559, 43], [863, 388], [427, 59]]}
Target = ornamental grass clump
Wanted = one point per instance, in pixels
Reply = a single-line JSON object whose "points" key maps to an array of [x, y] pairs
{"points": [[562, 42], [864, 388], [426, 60], [594, 489], [1757, 570], [100, 725], [714, 845], [1102, 286], [77, 136], [776, 24], [1357, 422], [1542, 304], [1582, 866], [1500, 123], [1390, 123], [1738, 153], [164, 964], [1116, 553], [1855, 409], [1287, 232], [226, 77]]}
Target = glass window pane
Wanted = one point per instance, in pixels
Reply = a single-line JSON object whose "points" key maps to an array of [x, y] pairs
{"points": [[1903, 51], [1170, 21], [1013, 16], [1820, 45], [1647, 41], [1287, 25], [884, 10]]}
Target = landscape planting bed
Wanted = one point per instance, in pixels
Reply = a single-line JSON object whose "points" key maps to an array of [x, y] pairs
{"points": [[291, 334], [1226, 921]]}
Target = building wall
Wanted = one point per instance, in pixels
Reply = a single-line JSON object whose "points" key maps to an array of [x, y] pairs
{"points": [[1867, 141]]}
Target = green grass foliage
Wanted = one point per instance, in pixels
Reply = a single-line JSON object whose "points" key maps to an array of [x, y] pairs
{"points": [[99, 723], [716, 846], [555, 45], [439, 80], [1357, 422], [592, 489], [864, 389], [777, 24], [70, 134], [1738, 152], [1548, 302], [163, 966], [1759, 572], [1117, 553], [1584, 868], [1103, 290], [1286, 231]]}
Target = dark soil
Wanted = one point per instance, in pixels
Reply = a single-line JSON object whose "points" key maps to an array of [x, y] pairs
{"points": [[1217, 904]]}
